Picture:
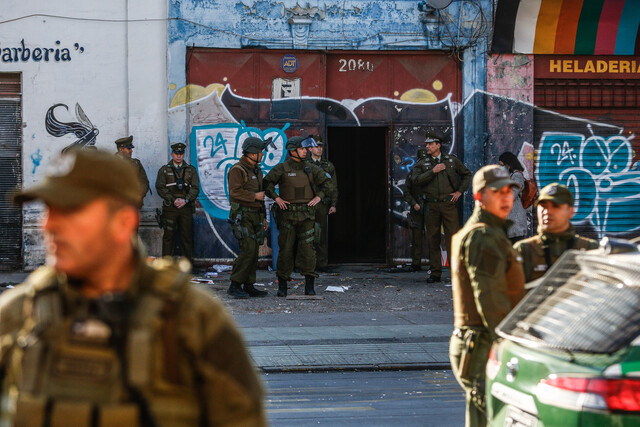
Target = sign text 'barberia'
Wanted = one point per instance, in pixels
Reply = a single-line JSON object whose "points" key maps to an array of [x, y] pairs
{"points": [[24, 53]]}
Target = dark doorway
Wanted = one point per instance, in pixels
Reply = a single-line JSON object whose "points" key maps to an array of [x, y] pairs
{"points": [[358, 230]]}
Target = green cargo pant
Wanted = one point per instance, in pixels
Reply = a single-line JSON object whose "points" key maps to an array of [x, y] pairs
{"points": [[445, 215], [245, 265], [416, 224], [473, 382], [322, 254], [178, 221], [295, 241]]}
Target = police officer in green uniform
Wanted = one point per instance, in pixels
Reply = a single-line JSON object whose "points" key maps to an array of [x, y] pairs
{"points": [[247, 217], [102, 337], [413, 194], [487, 282], [555, 232], [438, 175], [327, 205], [125, 150], [301, 187], [178, 185]]}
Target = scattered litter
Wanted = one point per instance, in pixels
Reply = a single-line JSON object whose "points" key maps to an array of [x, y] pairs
{"points": [[9, 286], [211, 274], [258, 284], [207, 281], [269, 267], [220, 268], [337, 288], [448, 285], [389, 286], [270, 283]]}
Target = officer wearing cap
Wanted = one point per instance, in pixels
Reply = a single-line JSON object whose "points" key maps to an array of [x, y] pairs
{"points": [[413, 194], [442, 178], [554, 207], [327, 205], [102, 336], [247, 217], [178, 185], [125, 150], [487, 282], [301, 187]]}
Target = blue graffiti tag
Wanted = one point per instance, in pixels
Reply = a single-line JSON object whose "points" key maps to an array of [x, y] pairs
{"points": [[36, 158], [217, 148], [599, 171]]}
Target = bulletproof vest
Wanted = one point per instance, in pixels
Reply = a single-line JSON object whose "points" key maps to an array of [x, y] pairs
{"points": [[178, 179], [90, 366], [543, 258], [252, 182], [465, 312], [295, 185]]}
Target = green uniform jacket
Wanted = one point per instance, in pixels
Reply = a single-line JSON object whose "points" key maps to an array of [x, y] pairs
{"points": [[532, 250], [413, 193], [244, 180], [319, 181], [438, 186], [486, 273], [331, 198], [168, 189], [189, 363]]}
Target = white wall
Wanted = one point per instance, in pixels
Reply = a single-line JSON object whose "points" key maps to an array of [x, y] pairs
{"points": [[116, 73]]}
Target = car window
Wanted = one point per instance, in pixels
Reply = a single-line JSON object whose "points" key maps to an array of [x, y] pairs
{"points": [[587, 302]]}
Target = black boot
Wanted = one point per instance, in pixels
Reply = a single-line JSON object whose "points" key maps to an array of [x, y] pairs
{"points": [[235, 290], [282, 287], [308, 285], [253, 292]]}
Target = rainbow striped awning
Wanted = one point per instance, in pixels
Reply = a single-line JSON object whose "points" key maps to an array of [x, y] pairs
{"points": [[567, 27]]}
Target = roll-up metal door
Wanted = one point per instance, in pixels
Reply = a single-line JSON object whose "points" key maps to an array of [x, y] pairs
{"points": [[10, 171], [587, 135]]}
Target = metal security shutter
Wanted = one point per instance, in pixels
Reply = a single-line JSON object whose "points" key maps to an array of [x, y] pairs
{"points": [[10, 171], [586, 136]]}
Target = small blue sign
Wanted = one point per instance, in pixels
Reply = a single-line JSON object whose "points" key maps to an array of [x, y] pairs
{"points": [[289, 63]]}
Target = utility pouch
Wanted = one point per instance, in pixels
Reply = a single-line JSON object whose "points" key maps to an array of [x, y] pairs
{"points": [[467, 354]]}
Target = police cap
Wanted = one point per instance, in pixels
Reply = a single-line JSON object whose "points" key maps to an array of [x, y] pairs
{"points": [[126, 142], [80, 176], [432, 137], [492, 176], [557, 193], [178, 147], [318, 140]]}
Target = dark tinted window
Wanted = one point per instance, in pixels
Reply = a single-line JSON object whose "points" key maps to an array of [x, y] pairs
{"points": [[588, 302]]}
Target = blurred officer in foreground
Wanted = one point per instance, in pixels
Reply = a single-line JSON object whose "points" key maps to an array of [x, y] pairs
{"points": [[178, 185], [125, 150], [100, 336], [327, 205], [414, 195], [555, 232], [487, 282], [247, 217], [444, 178], [301, 187]]}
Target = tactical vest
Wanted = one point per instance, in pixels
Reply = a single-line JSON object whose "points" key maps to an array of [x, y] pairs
{"points": [[295, 185], [544, 254], [465, 312], [87, 371], [173, 182], [252, 182]]}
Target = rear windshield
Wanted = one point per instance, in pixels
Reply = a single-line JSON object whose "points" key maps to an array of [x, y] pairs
{"points": [[588, 302]]}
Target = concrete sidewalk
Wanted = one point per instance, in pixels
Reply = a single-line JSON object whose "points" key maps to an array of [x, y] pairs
{"points": [[348, 341]]}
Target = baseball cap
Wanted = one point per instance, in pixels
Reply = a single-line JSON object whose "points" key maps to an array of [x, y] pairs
{"points": [[126, 142], [80, 176], [492, 176], [557, 193]]}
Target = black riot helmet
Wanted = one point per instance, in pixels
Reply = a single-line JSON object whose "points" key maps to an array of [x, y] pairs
{"points": [[253, 145]]}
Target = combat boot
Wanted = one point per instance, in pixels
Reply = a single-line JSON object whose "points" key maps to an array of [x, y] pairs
{"points": [[235, 290], [252, 291], [282, 287], [309, 281]]}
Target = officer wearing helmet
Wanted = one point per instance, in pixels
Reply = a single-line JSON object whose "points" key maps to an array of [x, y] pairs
{"points": [[247, 217], [301, 187]]}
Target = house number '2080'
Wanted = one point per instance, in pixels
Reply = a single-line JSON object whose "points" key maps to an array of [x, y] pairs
{"points": [[353, 65]]}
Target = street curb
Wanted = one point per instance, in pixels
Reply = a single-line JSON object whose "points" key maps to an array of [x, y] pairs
{"points": [[354, 368]]}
